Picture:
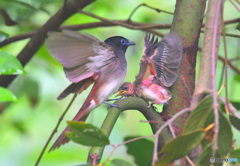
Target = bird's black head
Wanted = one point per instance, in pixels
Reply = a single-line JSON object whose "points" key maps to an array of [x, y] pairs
{"points": [[119, 43]]}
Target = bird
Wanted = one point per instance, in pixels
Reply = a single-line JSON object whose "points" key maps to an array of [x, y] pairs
{"points": [[86, 60], [152, 92], [159, 69]]}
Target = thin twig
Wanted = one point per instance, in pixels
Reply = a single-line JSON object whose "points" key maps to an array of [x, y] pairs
{"points": [[85, 26], [229, 64], [232, 109], [216, 113], [237, 20], [234, 59], [228, 61], [227, 34], [235, 5], [167, 123], [145, 5], [144, 28], [226, 65], [55, 129], [17, 38]]}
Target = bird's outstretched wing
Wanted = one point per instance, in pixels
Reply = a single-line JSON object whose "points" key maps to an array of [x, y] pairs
{"points": [[164, 57], [81, 55]]}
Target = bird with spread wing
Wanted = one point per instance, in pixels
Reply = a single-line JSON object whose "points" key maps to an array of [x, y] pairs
{"points": [[86, 60], [158, 69]]}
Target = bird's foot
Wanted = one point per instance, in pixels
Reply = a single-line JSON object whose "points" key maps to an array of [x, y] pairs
{"points": [[111, 105], [152, 105], [115, 99]]}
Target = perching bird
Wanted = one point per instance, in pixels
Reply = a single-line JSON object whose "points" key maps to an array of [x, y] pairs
{"points": [[87, 60], [148, 90], [158, 69]]}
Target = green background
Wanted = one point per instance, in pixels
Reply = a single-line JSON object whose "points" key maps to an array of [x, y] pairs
{"points": [[26, 125]]}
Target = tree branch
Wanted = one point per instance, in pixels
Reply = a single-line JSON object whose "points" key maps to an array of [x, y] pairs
{"points": [[38, 38], [85, 26], [130, 103]]}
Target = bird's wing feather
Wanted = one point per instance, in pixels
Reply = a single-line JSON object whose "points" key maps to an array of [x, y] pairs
{"points": [[165, 56], [168, 58], [80, 54]]}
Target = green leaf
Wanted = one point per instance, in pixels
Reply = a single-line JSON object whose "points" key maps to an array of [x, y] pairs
{"points": [[199, 115], [235, 154], [85, 164], [120, 162], [236, 104], [205, 155], [9, 64], [225, 135], [235, 122], [86, 134], [181, 146], [238, 27], [3, 36], [141, 150], [6, 95]]}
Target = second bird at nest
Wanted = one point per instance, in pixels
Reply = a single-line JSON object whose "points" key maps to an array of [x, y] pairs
{"points": [[159, 69]]}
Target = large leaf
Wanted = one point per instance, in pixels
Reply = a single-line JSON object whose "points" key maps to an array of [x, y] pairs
{"points": [[205, 155], [225, 135], [141, 150], [235, 122], [235, 156], [199, 115], [120, 162], [3, 36], [181, 146], [9, 64], [6, 95], [86, 134]]}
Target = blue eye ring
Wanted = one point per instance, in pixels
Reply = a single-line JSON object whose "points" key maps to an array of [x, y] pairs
{"points": [[123, 41]]}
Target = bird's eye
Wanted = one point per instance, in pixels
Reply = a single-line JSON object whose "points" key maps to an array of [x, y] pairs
{"points": [[123, 41], [125, 88]]}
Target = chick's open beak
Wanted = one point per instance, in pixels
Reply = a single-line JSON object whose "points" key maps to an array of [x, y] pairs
{"points": [[120, 93]]}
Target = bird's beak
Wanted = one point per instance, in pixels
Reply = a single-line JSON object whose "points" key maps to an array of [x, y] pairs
{"points": [[120, 93], [129, 43]]}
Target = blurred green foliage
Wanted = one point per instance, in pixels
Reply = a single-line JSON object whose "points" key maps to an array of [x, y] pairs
{"points": [[26, 125]]}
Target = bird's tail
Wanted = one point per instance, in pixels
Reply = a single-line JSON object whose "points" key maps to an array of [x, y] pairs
{"points": [[82, 115], [62, 139]]}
